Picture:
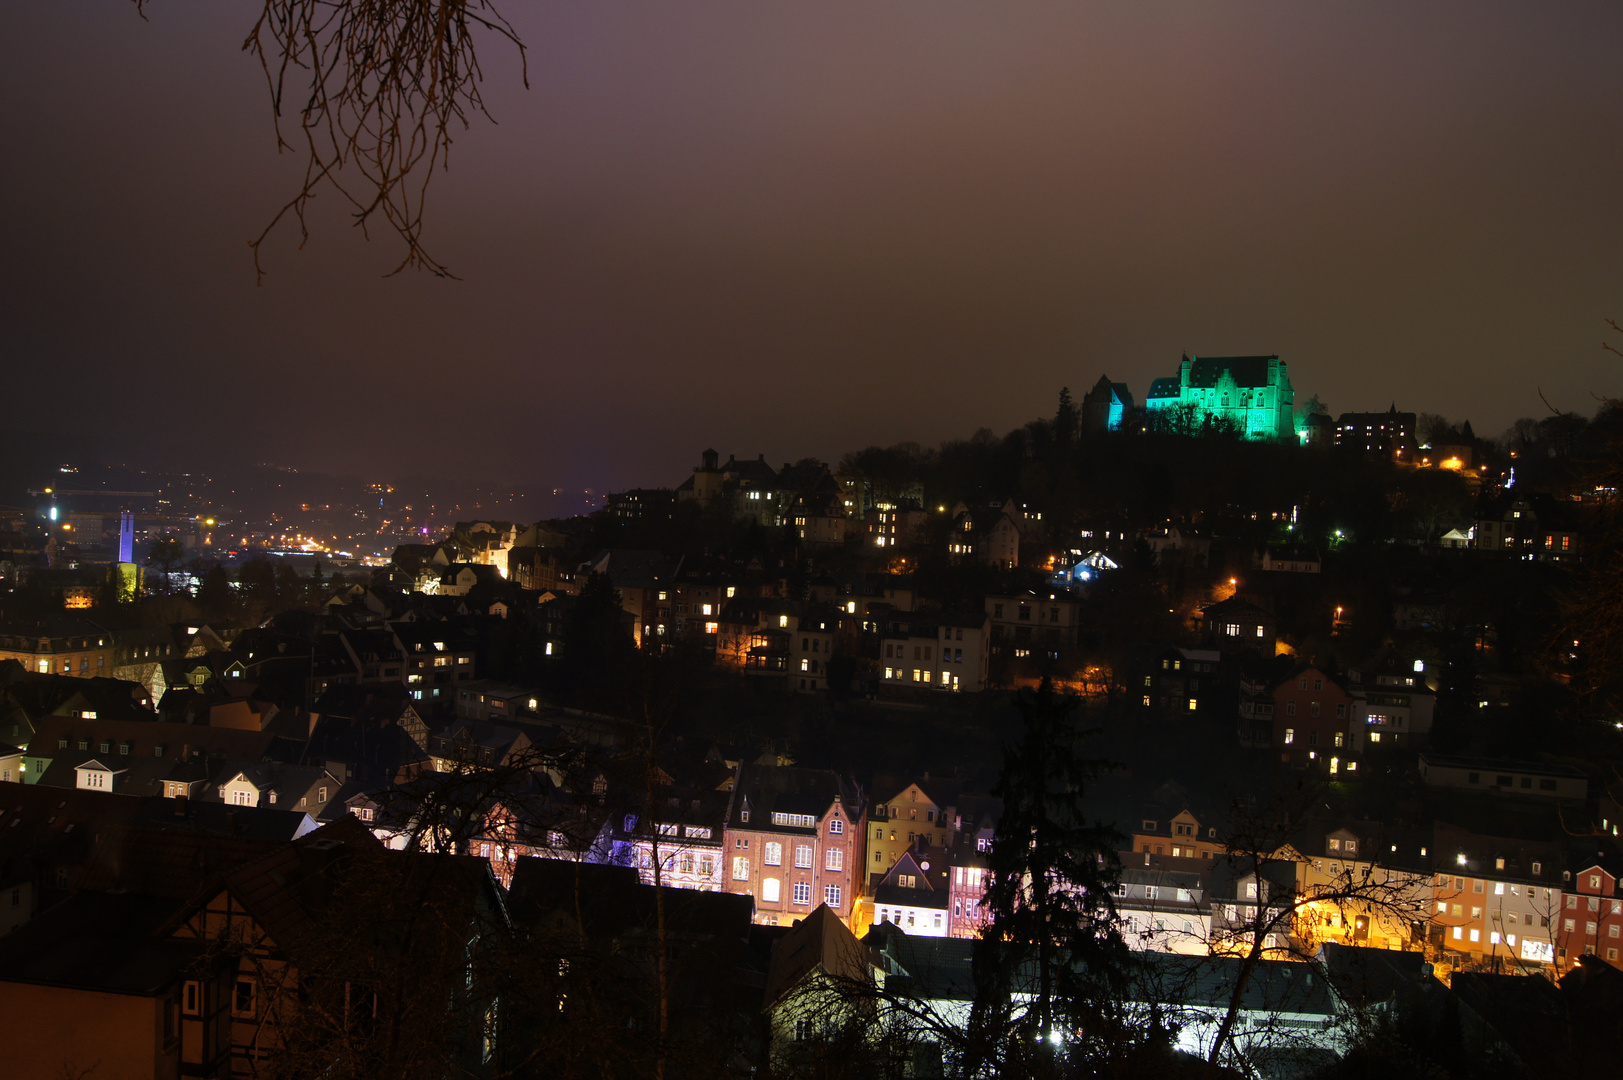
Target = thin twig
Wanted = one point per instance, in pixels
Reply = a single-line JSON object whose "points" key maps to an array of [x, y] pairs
{"points": [[384, 83]]}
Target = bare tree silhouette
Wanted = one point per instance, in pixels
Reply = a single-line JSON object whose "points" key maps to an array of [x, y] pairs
{"points": [[371, 93]]}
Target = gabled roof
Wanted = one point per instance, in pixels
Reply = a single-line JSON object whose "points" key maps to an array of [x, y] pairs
{"points": [[943, 791], [983, 520], [820, 941], [923, 893], [1303, 668]]}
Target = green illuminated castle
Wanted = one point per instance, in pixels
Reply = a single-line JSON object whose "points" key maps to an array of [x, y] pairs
{"points": [[1249, 394]]}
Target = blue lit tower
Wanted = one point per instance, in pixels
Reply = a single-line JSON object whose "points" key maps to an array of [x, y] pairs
{"points": [[126, 537]]}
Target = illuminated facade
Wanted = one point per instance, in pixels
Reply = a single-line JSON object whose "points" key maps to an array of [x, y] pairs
{"points": [[81, 649], [1250, 394], [1499, 902], [793, 840], [1107, 407]]}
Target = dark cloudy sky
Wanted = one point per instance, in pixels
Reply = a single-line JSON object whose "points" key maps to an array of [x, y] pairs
{"points": [[799, 228]]}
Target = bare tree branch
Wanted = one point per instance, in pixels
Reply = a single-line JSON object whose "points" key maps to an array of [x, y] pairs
{"points": [[370, 91]]}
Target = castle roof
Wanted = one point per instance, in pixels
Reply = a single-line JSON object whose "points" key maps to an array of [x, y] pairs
{"points": [[1205, 371]]}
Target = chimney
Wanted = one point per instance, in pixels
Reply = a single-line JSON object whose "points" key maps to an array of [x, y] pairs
{"points": [[181, 805]]}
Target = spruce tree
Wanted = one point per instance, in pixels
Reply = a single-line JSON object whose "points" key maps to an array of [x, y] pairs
{"points": [[1051, 958]]}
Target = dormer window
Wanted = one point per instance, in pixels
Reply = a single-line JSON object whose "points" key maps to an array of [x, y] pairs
{"points": [[1149, 826]]}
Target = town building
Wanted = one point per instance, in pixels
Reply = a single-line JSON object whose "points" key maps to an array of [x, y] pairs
{"points": [[1343, 859], [1591, 916], [811, 647], [1388, 436], [66, 645], [1043, 619], [890, 525], [1179, 835], [1177, 681], [990, 536], [1235, 624], [1527, 779], [1289, 559], [936, 650], [1529, 526], [905, 820], [793, 840], [913, 895], [1499, 900], [1395, 703], [1163, 904], [1313, 711]]}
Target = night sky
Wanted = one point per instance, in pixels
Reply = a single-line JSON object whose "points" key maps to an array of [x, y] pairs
{"points": [[803, 228]]}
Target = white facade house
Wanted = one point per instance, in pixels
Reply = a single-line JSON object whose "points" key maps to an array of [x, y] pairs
{"points": [[909, 897], [1164, 910], [937, 651]]}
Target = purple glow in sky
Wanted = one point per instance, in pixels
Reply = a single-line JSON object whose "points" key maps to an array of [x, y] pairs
{"points": [[800, 229]]}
